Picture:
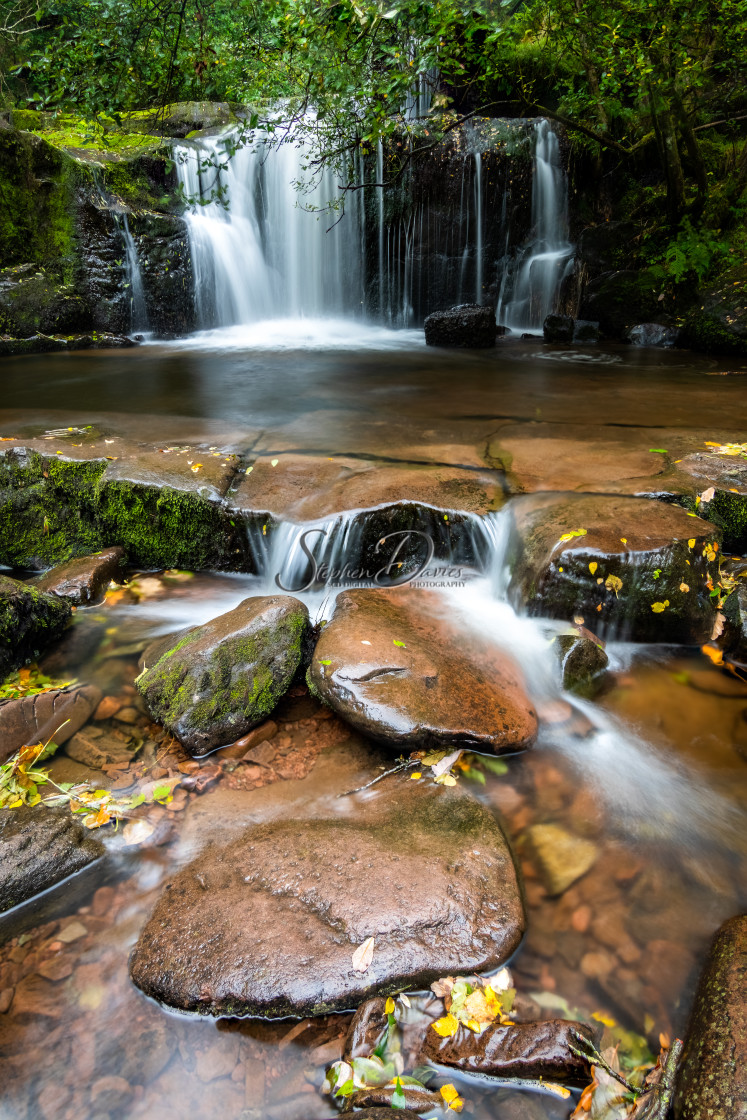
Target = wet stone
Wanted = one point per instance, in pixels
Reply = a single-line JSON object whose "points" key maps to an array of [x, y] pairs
{"points": [[29, 621], [38, 848], [395, 670], [583, 663], [712, 1076], [56, 715], [211, 684], [561, 857], [268, 925], [531, 1050], [467, 326], [630, 566], [83, 581], [720, 481]]}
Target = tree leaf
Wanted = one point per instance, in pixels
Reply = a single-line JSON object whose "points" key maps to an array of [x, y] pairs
{"points": [[363, 955]]}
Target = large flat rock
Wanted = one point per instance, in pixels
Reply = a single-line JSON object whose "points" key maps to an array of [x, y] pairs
{"points": [[268, 925], [630, 567], [55, 715], [211, 684], [712, 1077], [38, 848], [396, 668]]}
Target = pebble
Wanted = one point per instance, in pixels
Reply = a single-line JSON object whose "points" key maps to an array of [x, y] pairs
{"points": [[56, 968], [107, 708], [127, 715], [581, 918], [72, 932], [597, 965], [102, 901], [110, 1094], [6, 998]]}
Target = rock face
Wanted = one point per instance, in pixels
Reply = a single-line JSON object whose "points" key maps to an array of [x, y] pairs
{"points": [[38, 848], [268, 925], [558, 328], [211, 684], [409, 679], [652, 334], [55, 715], [629, 566], [712, 1077], [29, 621], [83, 581], [531, 1050], [718, 323], [467, 326]]}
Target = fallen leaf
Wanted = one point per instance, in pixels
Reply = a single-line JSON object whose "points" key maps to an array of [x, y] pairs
{"points": [[573, 533], [684, 587], [657, 608], [713, 654], [274, 462], [363, 955], [447, 1026], [593, 567], [396, 642], [137, 832], [691, 542], [415, 776], [452, 1098], [658, 450], [446, 763], [708, 495], [718, 625], [613, 583]]}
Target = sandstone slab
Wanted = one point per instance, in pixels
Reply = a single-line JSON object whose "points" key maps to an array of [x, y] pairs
{"points": [[211, 684], [269, 924], [38, 848], [55, 715], [635, 568], [712, 1076], [395, 670], [84, 580], [29, 621]]}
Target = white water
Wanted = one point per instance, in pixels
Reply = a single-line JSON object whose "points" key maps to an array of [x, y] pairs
{"points": [[138, 305], [531, 283]]}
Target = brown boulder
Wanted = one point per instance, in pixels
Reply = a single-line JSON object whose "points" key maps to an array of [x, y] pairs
{"points": [[712, 1076], [83, 581], [55, 715], [396, 671], [38, 848], [268, 925], [531, 1050]]}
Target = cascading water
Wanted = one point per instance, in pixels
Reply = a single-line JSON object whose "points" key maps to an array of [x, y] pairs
{"points": [[261, 247], [138, 305], [532, 281]]}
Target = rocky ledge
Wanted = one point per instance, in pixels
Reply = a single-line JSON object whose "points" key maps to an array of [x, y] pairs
{"points": [[302, 917]]}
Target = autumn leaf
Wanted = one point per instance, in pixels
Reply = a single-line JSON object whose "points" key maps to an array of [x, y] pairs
{"points": [[363, 955], [684, 587], [657, 608], [713, 654], [691, 542], [446, 1026], [452, 1098], [658, 450], [573, 533], [389, 1006], [398, 643], [593, 567], [707, 495], [613, 583], [718, 625]]}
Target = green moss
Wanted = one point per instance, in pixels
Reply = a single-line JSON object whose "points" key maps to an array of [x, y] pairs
{"points": [[729, 512], [706, 332]]}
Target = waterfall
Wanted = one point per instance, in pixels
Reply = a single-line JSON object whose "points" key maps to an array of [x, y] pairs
{"points": [[138, 306], [260, 247], [531, 282], [478, 227]]}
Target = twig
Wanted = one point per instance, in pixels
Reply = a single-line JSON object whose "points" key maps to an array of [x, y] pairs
{"points": [[395, 770], [591, 1054]]}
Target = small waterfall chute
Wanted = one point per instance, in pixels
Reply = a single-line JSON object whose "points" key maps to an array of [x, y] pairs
{"points": [[138, 304]]}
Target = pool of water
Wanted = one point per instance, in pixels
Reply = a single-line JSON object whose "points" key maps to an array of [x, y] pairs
{"points": [[652, 774]]}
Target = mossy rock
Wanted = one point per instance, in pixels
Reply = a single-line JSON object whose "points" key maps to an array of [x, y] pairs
{"points": [[583, 664], [29, 621], [617, 300], [213, 683], [719, 324]]}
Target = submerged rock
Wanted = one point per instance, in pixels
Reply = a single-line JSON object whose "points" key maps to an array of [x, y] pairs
{"points": [[637, 568], [583, 663], [712, 1077], [211, 684], [393, 668], [55, 715], [269, 925], [467, 326], [38, 848], [29, 621], [561, 857], [83, 581], [531, 1050], [558, 328]]}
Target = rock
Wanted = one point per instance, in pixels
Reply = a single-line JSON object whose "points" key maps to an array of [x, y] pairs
{"points": [[605, 247], [561, 857], [38, 848], [625, 566], [108, 707], [718, 322], [29, 621], [366, 1029], [583, 663], [585, 332], [67, 314], [723, 481], [558, 328], [268, 925], [97, 752], [110, 1093], [616, 300], [712, 1076], [466, 326], [380, 1113], [530, 1050], [652, 334], [211, 684], [84, 581], [418, 681], [251, 745], [181, 118], [55, 715], [374, 1101]]}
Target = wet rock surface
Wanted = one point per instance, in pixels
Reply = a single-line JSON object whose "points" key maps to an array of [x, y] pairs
{"points": [[718, 479], [561, 857], [637, 568], [29, 621], [55, 715], [269, 924], [84, 581], [712, 1077], [211, 684], [38, 848], [396, 669], [467, 326], [558, 328], [583, 662], [531, 1050]]}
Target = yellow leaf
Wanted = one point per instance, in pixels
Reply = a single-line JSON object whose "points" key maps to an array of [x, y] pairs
{"points": [[558, 1090], [691, 542], [452, 1098], [593, 567], [624, 540], [473, 1025], [414, 777], [613, 583], [573, 533], [447, 1026], [602, 1018], [446, 780], [657, 608], [363, 955], [389, 1006], [684, 587]]}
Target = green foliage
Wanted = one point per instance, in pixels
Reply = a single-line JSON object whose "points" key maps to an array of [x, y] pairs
{"points": [[694, 251]]}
